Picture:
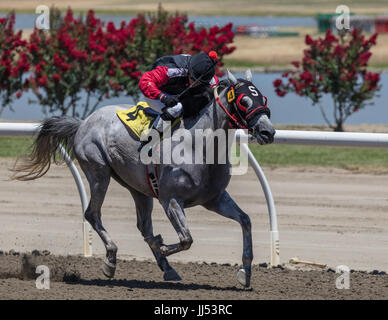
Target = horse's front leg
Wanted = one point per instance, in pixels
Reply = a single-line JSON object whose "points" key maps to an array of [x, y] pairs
{"points": [[225, 206], [174, 210]]}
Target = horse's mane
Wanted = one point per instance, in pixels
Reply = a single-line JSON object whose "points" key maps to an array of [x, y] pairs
{"points": [[194, 102], [223, 84]]}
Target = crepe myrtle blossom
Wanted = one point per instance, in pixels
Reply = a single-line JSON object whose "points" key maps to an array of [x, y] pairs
{"points": [[81, 60], [14, 61], [334, 65]]}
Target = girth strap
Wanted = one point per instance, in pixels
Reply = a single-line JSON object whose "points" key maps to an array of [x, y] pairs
{"points": [[152, 179]]}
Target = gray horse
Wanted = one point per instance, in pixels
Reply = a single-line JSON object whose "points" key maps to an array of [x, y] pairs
{"points": [[105, 148]]}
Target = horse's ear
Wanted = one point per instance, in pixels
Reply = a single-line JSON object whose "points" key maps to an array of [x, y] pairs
{"points": [[231, 77], [248, 75]]}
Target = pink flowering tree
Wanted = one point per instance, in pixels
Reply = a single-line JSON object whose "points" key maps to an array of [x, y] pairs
{"points": [[13, 62], [336, 66], [81, 56], [74, 65]]}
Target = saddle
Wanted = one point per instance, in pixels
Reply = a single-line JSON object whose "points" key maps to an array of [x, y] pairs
{"points": [[138, 118]]}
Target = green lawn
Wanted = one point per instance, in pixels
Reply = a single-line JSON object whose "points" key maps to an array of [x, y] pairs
{"points": [[352, 158], [12, 147]]}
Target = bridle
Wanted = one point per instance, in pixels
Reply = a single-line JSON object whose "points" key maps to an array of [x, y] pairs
{"points": [[238, 122], [234, 121]]}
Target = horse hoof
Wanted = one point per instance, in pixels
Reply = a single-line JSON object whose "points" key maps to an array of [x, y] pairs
{"points": [[108, 269], [171, 275], [242, 278]]}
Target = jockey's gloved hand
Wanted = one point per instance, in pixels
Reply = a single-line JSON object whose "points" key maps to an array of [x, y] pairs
{"points": [[170, 114], [168, 100]]}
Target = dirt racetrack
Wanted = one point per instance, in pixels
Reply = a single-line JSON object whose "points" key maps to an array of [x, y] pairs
{"points": [[75, 277], [325, 215]]}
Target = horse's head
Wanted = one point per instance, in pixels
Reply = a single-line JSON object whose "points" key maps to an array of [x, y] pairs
{"points": [[249, 108]]}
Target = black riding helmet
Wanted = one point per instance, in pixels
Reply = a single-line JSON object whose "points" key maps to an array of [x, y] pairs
{"points": [[202, 68]]}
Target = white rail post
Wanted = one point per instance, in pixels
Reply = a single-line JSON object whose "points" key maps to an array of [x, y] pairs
{"points": [[87, 229], [273, 222], [274, 232]]}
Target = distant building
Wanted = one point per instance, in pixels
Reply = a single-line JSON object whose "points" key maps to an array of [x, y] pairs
{"points": [[259, 31], [381, 25], [366, 23]]}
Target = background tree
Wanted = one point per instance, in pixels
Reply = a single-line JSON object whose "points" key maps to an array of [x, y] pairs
{"points": [[13, 62], [336, 66], [71, 66], [79, 61]]}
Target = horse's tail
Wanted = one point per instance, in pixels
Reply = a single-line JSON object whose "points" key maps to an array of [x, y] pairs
{"points": [[53, 132]]}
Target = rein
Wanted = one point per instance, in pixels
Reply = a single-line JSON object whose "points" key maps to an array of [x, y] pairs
{"points": [[232, 117]]}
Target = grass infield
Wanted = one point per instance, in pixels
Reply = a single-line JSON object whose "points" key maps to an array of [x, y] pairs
{"points": [[356, 159], [12, 147]]}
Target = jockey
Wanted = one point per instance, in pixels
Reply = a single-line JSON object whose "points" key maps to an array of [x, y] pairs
{"points": [[171, 76]]}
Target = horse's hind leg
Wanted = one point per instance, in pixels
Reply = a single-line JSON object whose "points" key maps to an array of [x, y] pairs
{"points": [[144, 206], [225, 206], [99, 178]]}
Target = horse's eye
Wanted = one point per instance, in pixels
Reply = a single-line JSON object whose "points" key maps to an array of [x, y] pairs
{"points": [[246, 101]]}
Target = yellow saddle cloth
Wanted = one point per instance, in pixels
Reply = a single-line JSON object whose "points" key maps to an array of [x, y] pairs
{"points": [[139, 118]]}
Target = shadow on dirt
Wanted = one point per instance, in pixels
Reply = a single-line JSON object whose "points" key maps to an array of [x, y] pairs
{"points": [[142, 284]]}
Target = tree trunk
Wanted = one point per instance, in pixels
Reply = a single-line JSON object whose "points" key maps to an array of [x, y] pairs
{"points": [[339, 126], [338, 116]]}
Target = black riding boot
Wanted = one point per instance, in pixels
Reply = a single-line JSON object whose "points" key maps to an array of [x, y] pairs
{"points": [[158, 126]]}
